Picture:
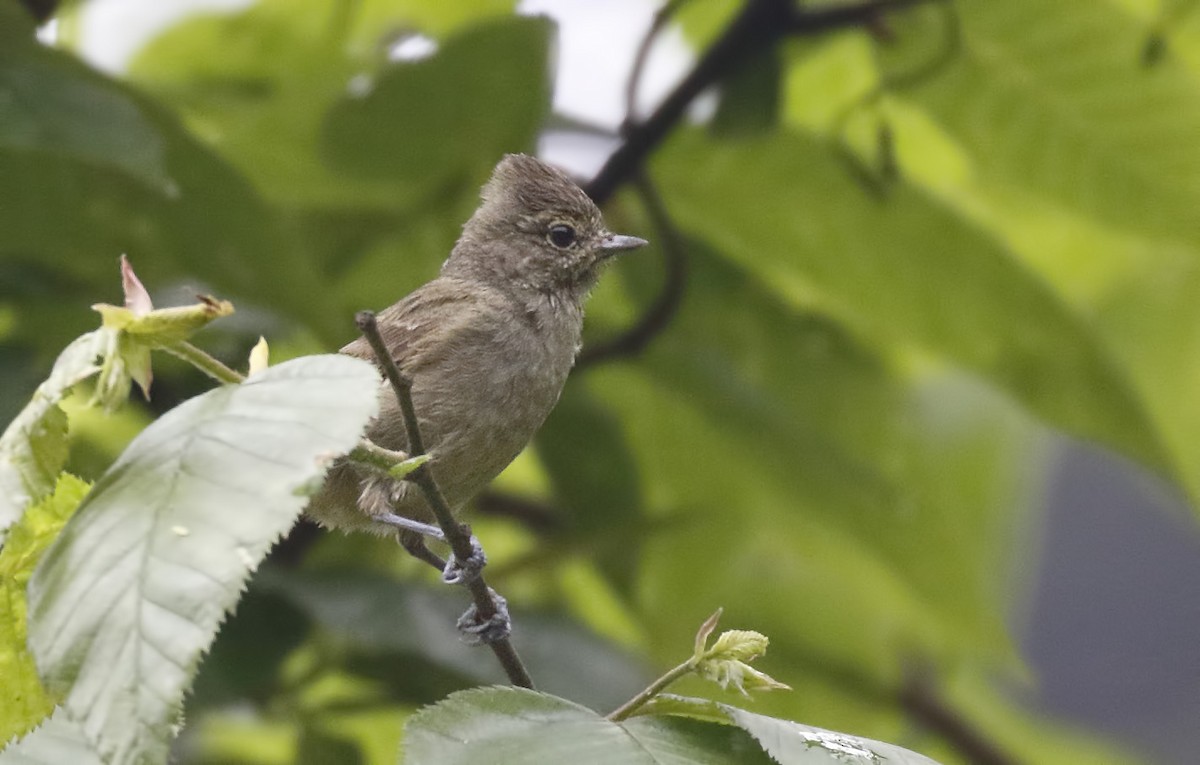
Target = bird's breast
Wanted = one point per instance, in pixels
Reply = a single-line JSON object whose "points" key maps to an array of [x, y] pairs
{"points": [[505, 389]]}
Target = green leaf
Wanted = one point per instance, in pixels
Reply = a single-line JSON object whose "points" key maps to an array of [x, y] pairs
{"points": [[132, 592], [33, 448], [904, 269], [484, 92], [124, 177], [511, 725], [257, 83], [58, 740], [80, 117], [264, 84], [1069, 112], [790, 743], [402, 469], [27, 702], [880, 501], [680, 741]]}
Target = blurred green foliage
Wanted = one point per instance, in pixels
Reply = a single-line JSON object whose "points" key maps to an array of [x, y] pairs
{"points": [[914, 253]]}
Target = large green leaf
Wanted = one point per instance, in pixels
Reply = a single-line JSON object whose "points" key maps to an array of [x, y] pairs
{"points": [[58, 740], [1055, 98], [817, 433], [41, 110], [282, 90], [257, 83], [1153, 321], [512, 725], [132, 592], [73, 198], [377, 162], [903, 269], [789, 743], [27, 702]]}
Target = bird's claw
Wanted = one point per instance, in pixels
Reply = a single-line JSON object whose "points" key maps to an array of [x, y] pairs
{"points": [[477, 631], [465, 571]]}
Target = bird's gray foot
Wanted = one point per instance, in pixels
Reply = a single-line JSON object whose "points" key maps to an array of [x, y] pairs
{"points": [[408, 525], [477, 631], [465, 571]]}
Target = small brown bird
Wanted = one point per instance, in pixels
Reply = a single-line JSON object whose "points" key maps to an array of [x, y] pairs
{"points": [[487, 344]]}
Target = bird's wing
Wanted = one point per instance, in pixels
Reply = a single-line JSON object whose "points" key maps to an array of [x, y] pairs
{"points": [[429, 322]]}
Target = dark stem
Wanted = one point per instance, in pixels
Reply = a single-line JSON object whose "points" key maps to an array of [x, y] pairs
{"points": [[919, 699], [758, 26], [665, 14], [658, 316], [457, 535]]}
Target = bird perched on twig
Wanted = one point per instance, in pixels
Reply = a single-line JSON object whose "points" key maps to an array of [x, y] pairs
{"points": [[487, 345]]}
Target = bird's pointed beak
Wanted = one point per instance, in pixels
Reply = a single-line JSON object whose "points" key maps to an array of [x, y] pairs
{"points": [[614, 243]]}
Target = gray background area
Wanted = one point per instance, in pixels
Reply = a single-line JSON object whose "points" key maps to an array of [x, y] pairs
{"points": [[1112, 629]]}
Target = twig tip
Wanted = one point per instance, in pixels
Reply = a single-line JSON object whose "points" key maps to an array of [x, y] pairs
{"points": [[365, 320]]}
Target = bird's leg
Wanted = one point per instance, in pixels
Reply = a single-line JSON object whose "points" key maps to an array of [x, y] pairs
{"points": [[467, 570], [409, 526], [412, 534], [475, 630]]}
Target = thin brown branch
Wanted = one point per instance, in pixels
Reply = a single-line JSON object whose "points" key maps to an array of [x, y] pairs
{"points": [[675, 261], [760, 25], [921, 702], [457, 535], [665, 14]]}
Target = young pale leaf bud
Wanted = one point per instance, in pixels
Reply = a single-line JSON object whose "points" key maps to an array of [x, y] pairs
{"points": [[726, 662], [740, 645], [131, 331], [738, 674], [704, 632], [407, 466], [260, 356]]}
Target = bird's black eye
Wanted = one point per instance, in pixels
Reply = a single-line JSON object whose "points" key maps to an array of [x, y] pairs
{"points": [[561, 236]]}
